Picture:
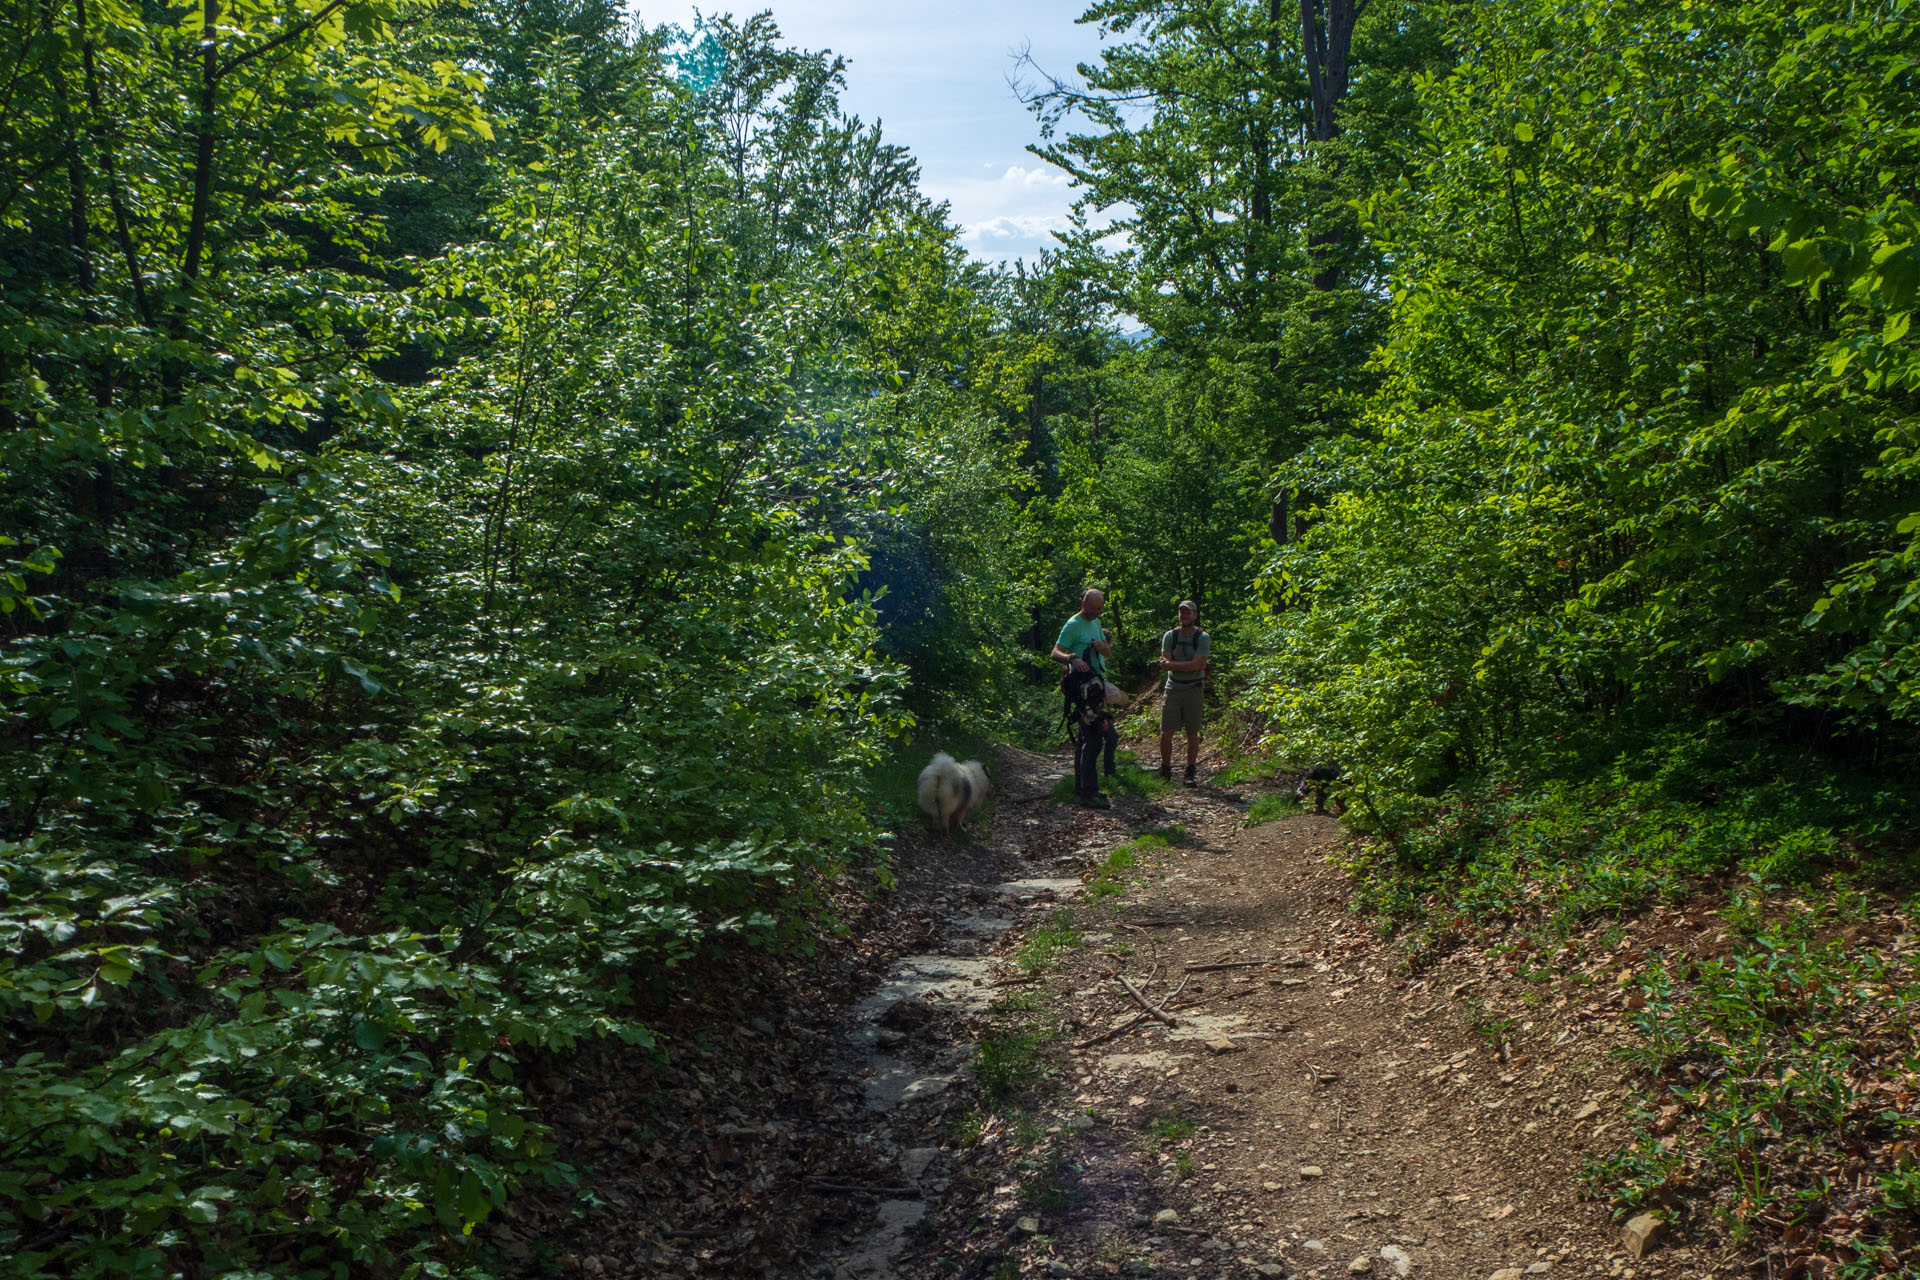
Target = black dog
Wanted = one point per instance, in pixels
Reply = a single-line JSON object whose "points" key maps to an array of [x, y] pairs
{"points": [[1090, 725], [1317, 780]]}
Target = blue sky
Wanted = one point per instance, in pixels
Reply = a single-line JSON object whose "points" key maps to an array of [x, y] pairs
{"points": [[935, 75]]}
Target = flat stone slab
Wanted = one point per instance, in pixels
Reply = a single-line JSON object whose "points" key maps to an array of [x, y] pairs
{"points": [[1209, 1026], [980, 926], [899, 1084], [1040, 887], [957, 978], [1151, 1060], [874, 1259]]}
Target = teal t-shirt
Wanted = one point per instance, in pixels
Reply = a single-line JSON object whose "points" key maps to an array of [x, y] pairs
{"points": [[1078, 634]]}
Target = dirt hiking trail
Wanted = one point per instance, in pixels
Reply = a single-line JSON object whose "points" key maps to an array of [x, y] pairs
{"points": [[965, 1086]]}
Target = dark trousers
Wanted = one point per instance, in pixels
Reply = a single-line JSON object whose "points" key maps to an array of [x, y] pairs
{"points": [[1096, 738]]}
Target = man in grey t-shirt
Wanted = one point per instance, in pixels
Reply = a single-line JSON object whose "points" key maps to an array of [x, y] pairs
{"points": [[1183, 656]]}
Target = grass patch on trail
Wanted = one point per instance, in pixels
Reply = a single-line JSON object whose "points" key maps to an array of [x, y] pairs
{"points": [[1045, 942], [1111, 878], [1175, 1131], [1132, 780], [1011, 1062], [1171, 1127], [1270, 805]]}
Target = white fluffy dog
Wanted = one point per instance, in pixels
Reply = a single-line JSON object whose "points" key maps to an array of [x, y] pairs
{"points": [[948, 790]]}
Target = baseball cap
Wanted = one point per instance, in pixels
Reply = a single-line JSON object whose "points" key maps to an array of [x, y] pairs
{"points": [[1188, 604]]}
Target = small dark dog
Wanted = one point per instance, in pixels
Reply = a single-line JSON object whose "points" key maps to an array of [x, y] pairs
{"points": [[1319, 780]]}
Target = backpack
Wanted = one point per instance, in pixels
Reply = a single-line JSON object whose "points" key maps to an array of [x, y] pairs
{"points": [[1083, 696], [1192, 646]]}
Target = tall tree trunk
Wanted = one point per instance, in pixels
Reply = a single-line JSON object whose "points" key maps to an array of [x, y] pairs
{"points": [[1327, 46]]}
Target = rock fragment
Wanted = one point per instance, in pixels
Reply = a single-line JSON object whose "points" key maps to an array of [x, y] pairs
{"points": [[1309, 1172], [1644, 1233], [1397, 1258]]}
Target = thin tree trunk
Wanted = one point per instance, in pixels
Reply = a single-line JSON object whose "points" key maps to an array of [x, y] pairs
{"points": [[203, 148], [77, 220], [123, 228]]}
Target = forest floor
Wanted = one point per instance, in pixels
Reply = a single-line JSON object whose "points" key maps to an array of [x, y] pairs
{"points": [[961, 1084]]}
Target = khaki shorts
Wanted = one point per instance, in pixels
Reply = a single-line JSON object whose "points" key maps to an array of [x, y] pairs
{"points": [[1181, 709]]}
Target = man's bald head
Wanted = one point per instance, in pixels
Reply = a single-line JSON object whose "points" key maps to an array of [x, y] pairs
{"points": [[1092, 603]]}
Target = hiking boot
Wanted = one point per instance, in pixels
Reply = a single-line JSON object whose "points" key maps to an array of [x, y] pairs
{"points": [[1094, 800], [1166, 772], [1191, 780]]}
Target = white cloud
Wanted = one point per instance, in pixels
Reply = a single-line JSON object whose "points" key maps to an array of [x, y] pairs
{"points": [[1034, 228], [1013, 215], [1021, 176]]}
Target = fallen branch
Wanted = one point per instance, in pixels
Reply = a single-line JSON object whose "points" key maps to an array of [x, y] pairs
{"points": [[1111, 1032], [1227, 964], [857, 1189], [1155, 1010]]}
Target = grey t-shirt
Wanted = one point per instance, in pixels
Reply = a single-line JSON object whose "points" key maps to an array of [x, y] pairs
{"points": [[1180, 648]]}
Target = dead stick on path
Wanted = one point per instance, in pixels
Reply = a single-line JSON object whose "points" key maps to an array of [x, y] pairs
{"points": [[1147, 1004], [1227, 964], [855, 1188], [1111, 1032]]}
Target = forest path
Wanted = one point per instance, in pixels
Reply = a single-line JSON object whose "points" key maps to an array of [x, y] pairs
{"points": [[909, 1102], [1318, 1113]]}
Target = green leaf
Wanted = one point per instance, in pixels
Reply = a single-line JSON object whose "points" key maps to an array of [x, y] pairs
{"points": [[42, 560]]}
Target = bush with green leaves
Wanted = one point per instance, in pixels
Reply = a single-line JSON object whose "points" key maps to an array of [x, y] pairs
{"points": [[1636, 466], [411, 663]]}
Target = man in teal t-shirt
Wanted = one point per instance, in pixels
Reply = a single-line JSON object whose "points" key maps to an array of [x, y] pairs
{"points": [[1083, 634]]}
